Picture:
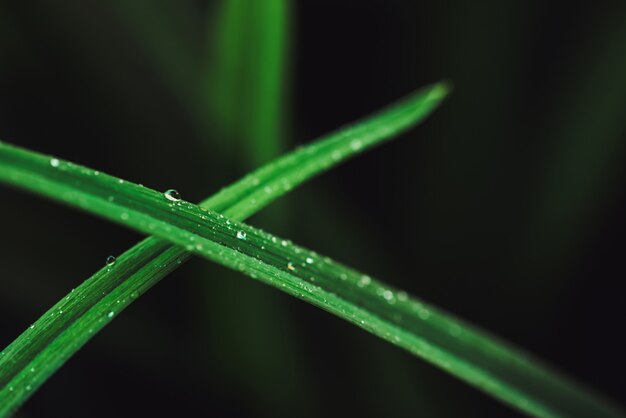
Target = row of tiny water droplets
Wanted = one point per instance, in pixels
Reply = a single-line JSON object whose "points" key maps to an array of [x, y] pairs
{"points": [[303, 267], [325, 267], [387, 294], [110, 261], [354, 139]]}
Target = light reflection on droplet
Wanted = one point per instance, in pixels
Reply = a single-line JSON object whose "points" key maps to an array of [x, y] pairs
{"points": [[364, 281], [172, 195]]}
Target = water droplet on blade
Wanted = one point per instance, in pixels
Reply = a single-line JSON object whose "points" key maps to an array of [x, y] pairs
{"points": [[111, 260], [54, 162], [172, 195], [241, 235], [364, 281], [356, 145]]}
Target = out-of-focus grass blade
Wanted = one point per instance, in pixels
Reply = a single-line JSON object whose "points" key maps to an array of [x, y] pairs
{"points": [[227, 63], [156, 27], [74, 320], [247, 77], [458, 348], [168, 34], [245, 89], [590, 131]]}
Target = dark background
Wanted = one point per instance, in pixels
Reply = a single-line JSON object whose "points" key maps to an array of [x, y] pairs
{"points": [[506, 207]]}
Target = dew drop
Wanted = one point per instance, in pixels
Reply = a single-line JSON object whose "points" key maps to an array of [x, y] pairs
{"points": [[134, 295], [111, 260], [388, 295], [309, 260], [423, 313], [455, 330], [54, 162], [364, 281], [290, 266], [172, 195], [110, 315], [241, 235], [356, 144]]}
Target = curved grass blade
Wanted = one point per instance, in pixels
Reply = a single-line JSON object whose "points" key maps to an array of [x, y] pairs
{"points": [[36, 354], [469, 354]]}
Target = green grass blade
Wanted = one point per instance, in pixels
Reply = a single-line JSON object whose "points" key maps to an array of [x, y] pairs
{"points": [[225, 67], [247, 83], [36, 354], [247, 95], [456, 347]]}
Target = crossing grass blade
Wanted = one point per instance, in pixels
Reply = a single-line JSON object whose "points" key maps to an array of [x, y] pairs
{"points": [[456, 347], [36, 354]]}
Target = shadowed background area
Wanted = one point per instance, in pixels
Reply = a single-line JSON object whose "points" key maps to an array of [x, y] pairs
{"points": [[506, 207]]}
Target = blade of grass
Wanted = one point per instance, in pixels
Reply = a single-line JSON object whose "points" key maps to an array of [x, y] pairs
{"points": [[227, 63], [68, 325], [246, 92], [578, 172], [456, 347], [247, 85]]}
